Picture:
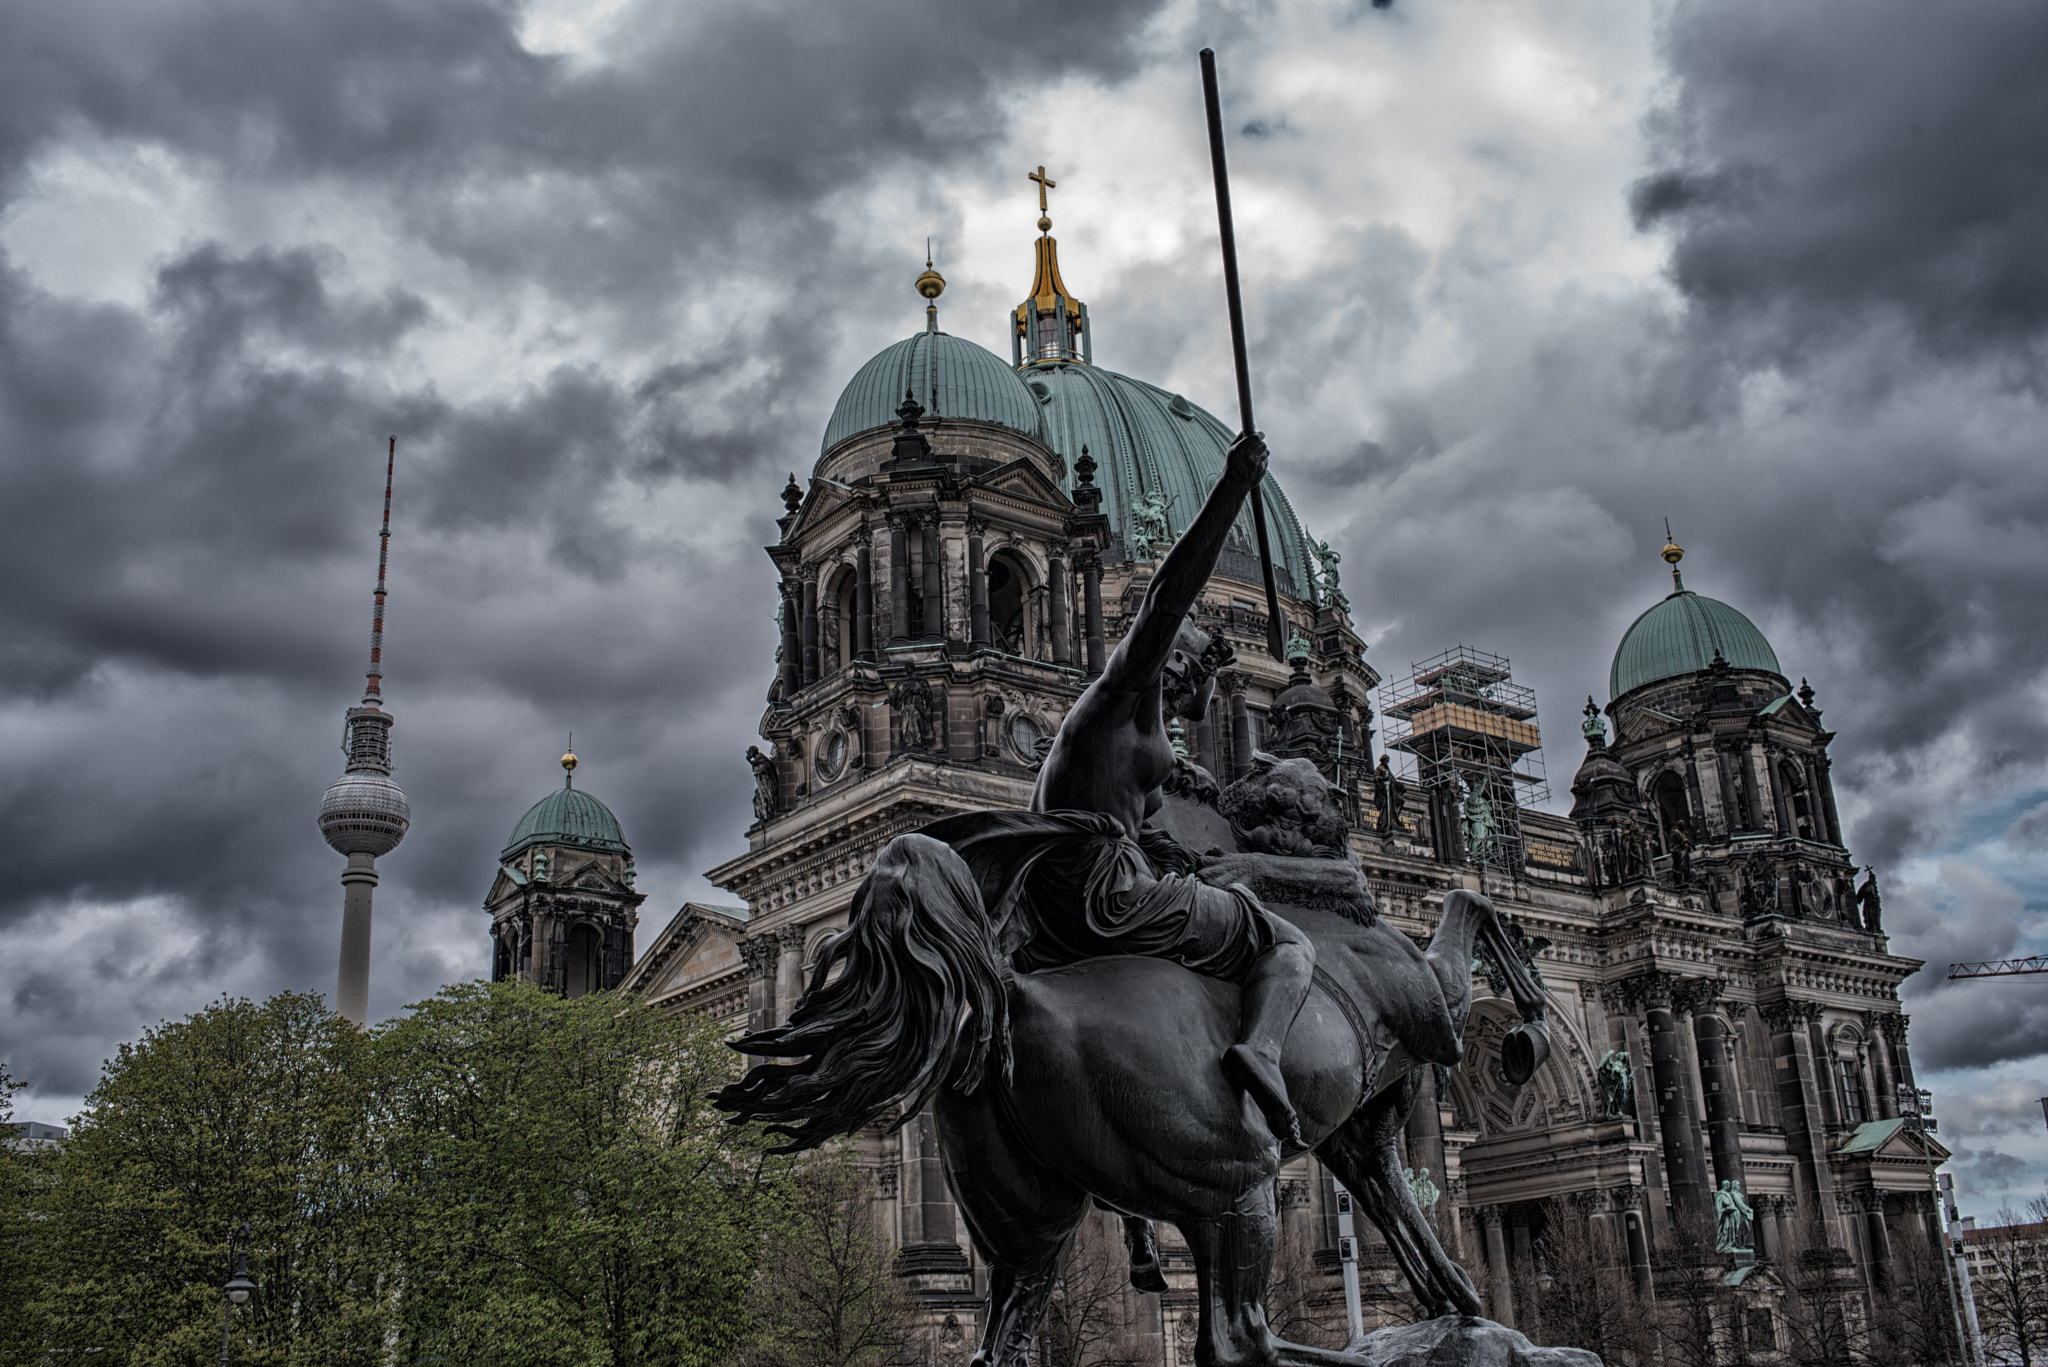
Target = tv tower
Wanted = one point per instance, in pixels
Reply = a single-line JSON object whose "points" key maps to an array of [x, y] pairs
{"points": [[364, 814]]}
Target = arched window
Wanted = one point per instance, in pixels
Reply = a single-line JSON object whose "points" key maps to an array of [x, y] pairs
{"points": [[1797, 799], [1667, 792], [583, 960], [1009, 596], [839, 649], [501, 957]]}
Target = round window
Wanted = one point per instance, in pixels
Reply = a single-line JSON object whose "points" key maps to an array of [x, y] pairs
{"points": [[832, 755], [1024, 735]]}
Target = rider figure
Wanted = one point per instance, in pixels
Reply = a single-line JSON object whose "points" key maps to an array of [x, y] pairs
{"points": [[1112, 756]]}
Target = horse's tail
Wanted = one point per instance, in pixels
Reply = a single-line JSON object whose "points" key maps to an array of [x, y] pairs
{"points": [[912, 995], [1528, 1044]]}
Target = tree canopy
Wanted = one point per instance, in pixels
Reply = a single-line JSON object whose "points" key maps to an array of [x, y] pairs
{"points": [[502, 1176]]}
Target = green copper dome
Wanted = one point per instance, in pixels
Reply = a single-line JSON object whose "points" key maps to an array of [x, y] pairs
{"points": [[1149, 441], [1679, 636], [951, 377], [568, 817]]}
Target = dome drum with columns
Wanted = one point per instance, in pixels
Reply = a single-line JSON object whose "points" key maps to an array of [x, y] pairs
{"points": [[971, 542]]}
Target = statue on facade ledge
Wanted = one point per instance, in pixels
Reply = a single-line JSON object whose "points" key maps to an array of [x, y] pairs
{"points": [[1390, 795], [1732, 1216], [1617, 1086], [1869, 905], [764, 783]]}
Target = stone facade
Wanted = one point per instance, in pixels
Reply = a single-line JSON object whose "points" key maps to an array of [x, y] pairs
{"points": [[947, 593]]}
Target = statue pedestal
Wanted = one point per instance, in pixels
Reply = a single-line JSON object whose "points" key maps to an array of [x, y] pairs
{"points": [[1463, 1341]]}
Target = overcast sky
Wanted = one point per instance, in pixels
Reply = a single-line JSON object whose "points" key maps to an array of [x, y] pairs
{"points": [[1522, 280]]}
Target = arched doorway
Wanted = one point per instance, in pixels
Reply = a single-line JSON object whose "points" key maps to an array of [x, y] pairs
{"points": [[1009, 596], [1667, 794]]}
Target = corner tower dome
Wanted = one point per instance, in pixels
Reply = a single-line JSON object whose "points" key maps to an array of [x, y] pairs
{"points": [[949, 377], [568, 817], [1682, 635]]}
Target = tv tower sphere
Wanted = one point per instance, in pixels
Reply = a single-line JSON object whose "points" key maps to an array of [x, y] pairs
{"points": [[364, 813]]}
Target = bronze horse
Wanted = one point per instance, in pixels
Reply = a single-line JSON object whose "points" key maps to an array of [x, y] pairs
{"points": [[1101, 1079]]}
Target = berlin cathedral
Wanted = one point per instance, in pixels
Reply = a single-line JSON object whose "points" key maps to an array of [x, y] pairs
{"points": [[965, 550]]}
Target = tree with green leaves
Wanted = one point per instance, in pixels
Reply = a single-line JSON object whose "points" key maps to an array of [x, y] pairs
{"points": [[562, 1190], [20, 1167], [242, 1112]]}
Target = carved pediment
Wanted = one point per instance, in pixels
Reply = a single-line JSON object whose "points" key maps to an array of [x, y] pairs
{"points": [[1023, 479]]}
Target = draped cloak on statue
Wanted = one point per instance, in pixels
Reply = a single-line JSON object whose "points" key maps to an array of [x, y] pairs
{"points": [[1063, 886]]}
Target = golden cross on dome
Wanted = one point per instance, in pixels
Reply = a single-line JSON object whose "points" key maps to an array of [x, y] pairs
{"points": [[1045, 183]]}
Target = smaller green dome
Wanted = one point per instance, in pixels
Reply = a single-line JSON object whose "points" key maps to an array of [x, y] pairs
{"points": [[568, 817], [1681, 635], [950, 376]]}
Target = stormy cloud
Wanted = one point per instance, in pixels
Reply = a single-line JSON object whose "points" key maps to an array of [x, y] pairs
{"points": [[1522, 283]]}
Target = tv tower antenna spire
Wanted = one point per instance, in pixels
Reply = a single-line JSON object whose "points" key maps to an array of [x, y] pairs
{"points": [[364, 813]]}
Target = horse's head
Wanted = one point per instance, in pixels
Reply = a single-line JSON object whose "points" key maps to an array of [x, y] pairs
{"points": [[1283, 806]]}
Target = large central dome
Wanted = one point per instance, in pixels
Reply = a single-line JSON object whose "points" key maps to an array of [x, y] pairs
{"points": [[1148, 443]]}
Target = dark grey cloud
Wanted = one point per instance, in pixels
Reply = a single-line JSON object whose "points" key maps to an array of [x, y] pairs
{"points": [[1829, 170], [576, 548], [1836, 399]]}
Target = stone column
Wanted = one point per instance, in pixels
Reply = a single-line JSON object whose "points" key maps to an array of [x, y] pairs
{"points": [[1885, 1104], [934, 580], [1497, 1265], [1895, 1023], [1769, 1248], [1682, 1166], [759, 954], [1240, 727], [977, 585], [1826, 1076], [1880, 1270], [1091, 593], [1781, 801], [1827, 798], [863, 597], [810, 624], [899, 580], [1717, 1078], [1799, 1099], [1728, 761], [1637, 1239], [1061, 612], [789, 970], [1712, 792], [792, 641]]}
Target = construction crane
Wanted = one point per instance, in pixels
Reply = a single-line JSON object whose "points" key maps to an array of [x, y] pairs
{"points": [[2000, 968]]}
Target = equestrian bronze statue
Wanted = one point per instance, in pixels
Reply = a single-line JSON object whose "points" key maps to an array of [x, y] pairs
{"points": [[1094, 1013]]}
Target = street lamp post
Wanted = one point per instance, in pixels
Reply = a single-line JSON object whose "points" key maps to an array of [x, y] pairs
{"points": [[1914, 1104], [237, 1289]]}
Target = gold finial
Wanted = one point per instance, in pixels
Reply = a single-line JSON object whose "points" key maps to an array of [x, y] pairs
{"points": [[931, 284], [569, 762], [1673, 553], [1044, 183]]}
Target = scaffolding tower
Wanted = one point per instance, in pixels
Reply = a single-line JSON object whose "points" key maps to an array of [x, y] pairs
{"points": [[1467, 733]]}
